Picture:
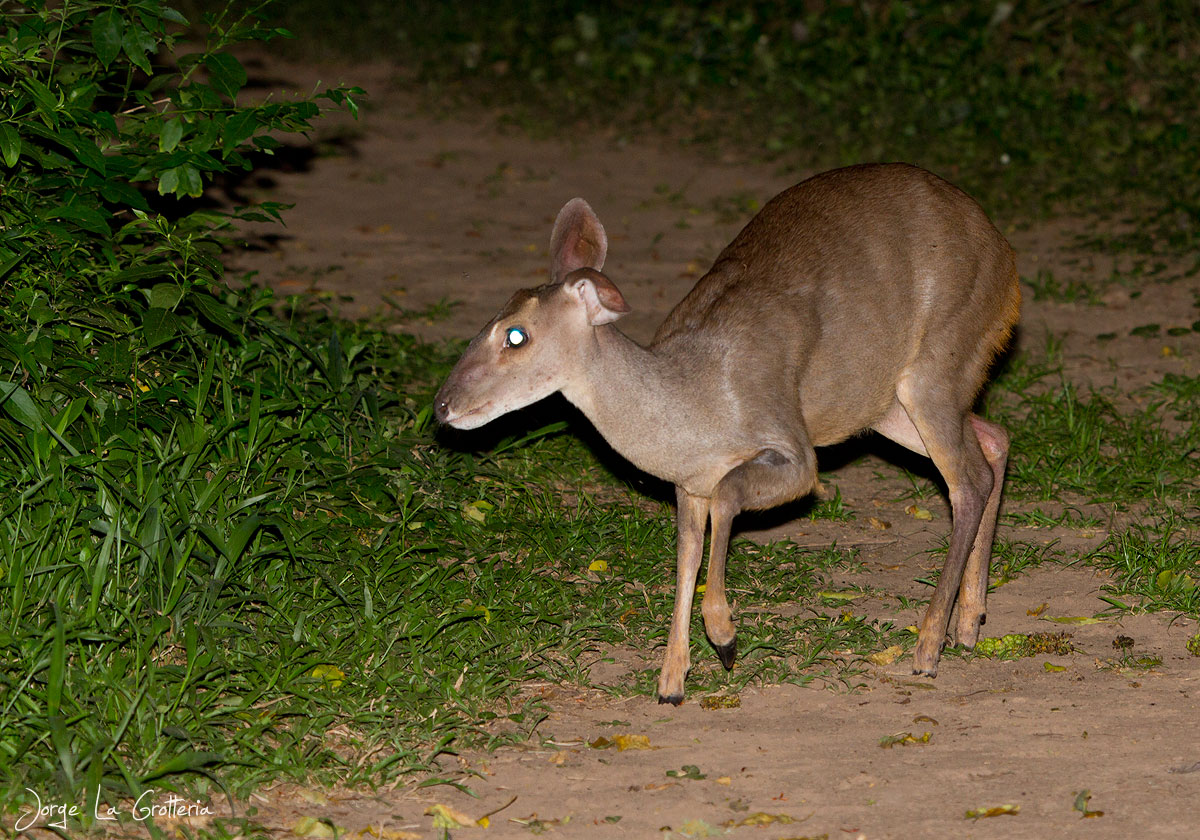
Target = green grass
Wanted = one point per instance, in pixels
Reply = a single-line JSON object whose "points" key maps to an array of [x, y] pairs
{"points": [[1156, 567]]}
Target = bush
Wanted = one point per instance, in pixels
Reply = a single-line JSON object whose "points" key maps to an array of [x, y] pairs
{"points": [[146, 425]]}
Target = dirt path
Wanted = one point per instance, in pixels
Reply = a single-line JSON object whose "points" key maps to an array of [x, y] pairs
{"points": [[415, 211]]}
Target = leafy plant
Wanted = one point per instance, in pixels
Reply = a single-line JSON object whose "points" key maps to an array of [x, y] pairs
{"points": [[136, 400]]}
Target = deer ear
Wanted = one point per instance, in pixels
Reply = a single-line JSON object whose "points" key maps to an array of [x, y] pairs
{"points": [[578, 240], [602, 300]]}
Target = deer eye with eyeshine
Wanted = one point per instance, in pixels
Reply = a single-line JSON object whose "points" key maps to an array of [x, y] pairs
{"points": [[515, 336]]}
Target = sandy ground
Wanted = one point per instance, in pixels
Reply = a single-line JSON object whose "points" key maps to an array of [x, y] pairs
{"points": [[411, 212]]}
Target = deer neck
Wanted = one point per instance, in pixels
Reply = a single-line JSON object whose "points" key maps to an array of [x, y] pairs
{"points": [[639, 400]]}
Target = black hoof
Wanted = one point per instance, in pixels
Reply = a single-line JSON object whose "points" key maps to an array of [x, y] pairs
{"points": [[926, 672], [673, 699], [727, 653]]}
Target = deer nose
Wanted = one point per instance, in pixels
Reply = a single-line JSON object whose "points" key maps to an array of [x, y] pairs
{"points": [[441, 409]]}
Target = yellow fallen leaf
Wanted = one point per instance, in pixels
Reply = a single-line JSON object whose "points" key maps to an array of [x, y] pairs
{"points": [[622, 743], [886, 656], [918, 512], [1050, 667], [903, 739], [878, 524], [1038, 610], [446, 817], [761, 818], [998, 811], [333, 676], [598, 566], [632, 742], [478, 511], [388, 833], [840, 596], [558, 758], [723, 780], [1073, 619], [312, 827]]}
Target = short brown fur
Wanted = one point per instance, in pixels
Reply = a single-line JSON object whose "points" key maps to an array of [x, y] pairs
{"points": [[871, 297]]}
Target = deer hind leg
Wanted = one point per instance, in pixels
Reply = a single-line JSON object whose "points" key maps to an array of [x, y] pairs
{"points": [[929, 422], [972, 594]]}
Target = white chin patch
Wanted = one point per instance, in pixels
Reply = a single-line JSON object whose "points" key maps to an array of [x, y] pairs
{"points": [[470, 421]]}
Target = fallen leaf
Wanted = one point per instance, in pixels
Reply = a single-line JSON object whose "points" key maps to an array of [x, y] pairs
{"points": [[720, 701], [925, 719], [1074, 619], [446, 817], [598, 566], [840, 596], [333, 676], [1053, 668], [886, 656], [1038, 610], [918, 512], [313, 827], [659, 785], [903, 739], [1081, 805], [998, 811], [388, 833], [699, 828], [878, 524], [761, 818], [537, 825], [723, 780], [622, 743], [478, 511]]}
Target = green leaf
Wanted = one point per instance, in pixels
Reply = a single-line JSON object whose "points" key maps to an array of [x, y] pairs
{"points": [[168, 181], [17, 402], [85, 150], [226, 73], [159, 326], [88, 218], [136, 43], [117, 192], [191, 760], [189, 179], [108, 29], [214, 312], [238, 128], [165, 295], [10, 145], [172, 133]]}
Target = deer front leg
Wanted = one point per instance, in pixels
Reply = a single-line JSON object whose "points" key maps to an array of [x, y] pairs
{"points": [[768, 479], [689, 549]]}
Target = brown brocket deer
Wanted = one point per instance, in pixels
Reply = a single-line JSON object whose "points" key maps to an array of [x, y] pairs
{"points": [[871, 297]]}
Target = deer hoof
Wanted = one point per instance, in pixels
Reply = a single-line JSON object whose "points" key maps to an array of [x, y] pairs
{"points": [[727, 653]]}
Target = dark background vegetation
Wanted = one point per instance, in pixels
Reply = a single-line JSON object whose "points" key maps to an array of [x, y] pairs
{"points": [[1032, 105], [230, 547]]}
